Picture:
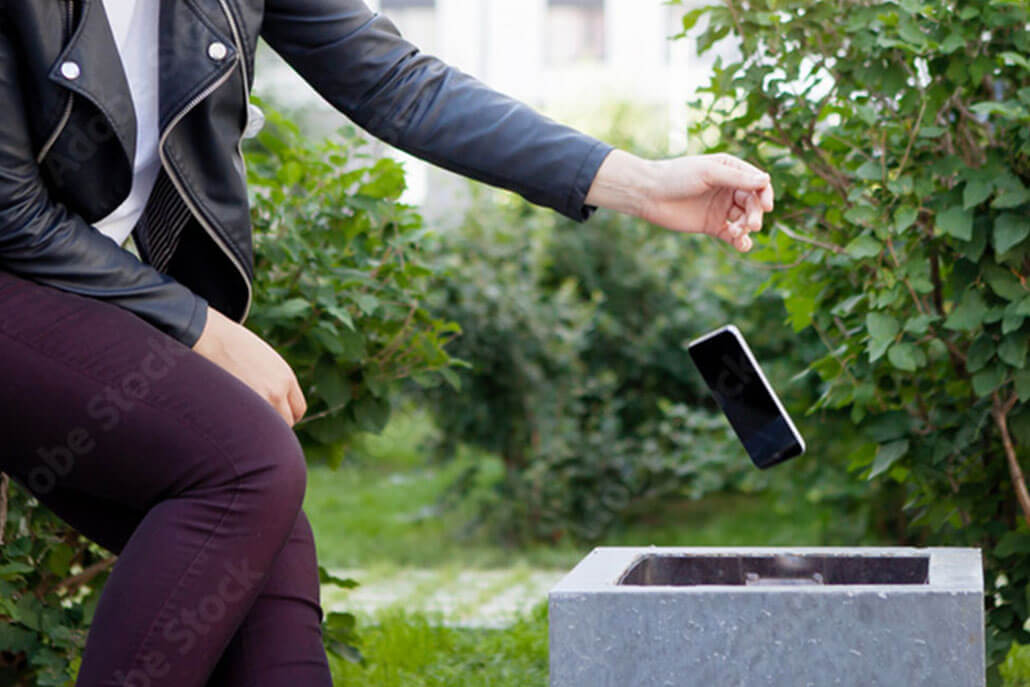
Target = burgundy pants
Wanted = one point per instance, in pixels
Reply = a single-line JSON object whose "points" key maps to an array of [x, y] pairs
{"points": [[190, 477]]}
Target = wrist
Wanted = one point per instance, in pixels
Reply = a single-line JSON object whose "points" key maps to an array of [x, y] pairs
{"points": [[624, 183], [209, 342]]}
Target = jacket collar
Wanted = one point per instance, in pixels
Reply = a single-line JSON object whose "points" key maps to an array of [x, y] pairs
{"points": [[188, 64], [90, 66], [196, 48]]}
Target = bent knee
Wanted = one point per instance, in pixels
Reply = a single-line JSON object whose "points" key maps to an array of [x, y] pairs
{"points": [[275, 476]]}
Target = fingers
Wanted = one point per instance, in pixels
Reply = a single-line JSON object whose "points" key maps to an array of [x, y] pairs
{"points": [[730, 172], [735, 233], [766, 196], [754, 213], [282, 406], [298, 405]]}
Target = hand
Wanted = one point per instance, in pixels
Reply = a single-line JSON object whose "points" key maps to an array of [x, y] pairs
{"points": [[718, 195], [239, 351]]}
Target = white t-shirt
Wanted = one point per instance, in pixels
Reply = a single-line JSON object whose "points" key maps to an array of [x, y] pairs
{"points": [[135, 25]]}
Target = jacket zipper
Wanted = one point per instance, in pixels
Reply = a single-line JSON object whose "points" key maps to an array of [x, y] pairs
{"points": [[67, 114], [246, 80], [178, 184]]}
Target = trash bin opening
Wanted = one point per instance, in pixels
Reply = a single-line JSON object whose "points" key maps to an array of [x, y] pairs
{"points": [[775, 570]]}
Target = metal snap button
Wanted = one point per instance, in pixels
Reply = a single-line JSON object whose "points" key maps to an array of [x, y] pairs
{"points": [[70, 70], [217, 51]]}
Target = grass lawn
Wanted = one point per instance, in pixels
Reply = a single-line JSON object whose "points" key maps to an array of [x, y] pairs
{"points": [[412, 650], [378, 512]]}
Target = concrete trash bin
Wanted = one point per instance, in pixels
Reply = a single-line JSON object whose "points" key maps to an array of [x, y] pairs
{"points": [[714, 617]]}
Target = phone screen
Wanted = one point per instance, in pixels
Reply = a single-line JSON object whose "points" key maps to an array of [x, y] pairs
{"points": [[746, 398]]}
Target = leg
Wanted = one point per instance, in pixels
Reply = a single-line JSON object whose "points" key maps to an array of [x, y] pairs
{"points": [[280, 641], [95, 402]]}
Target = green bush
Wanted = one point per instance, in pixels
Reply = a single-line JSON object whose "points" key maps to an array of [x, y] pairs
{"points": [[579, 377], [340, 280], [898, 136]]}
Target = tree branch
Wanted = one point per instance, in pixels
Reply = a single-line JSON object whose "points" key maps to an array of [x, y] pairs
{"points": [[86, 576], [1000, 411], [832, 247]]}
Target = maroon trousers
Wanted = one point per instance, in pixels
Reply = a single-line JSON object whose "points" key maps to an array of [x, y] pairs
{"points": [[194, 480]]}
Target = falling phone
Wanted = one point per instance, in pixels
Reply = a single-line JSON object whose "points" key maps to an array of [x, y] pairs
{"points": [[729, 368]]}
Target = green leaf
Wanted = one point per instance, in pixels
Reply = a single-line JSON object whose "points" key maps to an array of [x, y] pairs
{"points": [[1004, 283], [887, 455], [1011, 323], [920, 324], [986, 381], [290, 309], [974, 248], [16, 639], [353, 344], [906, 356], [976, 192], [1012, 350], [325, 577], [905, 217], [1011, 192], [366, 302], [871, 170], [1003, 109], [691, 18], [15, 568], [957, 222], [1023, 385], [800, 308], [863, 247], [969, 313], [340, 314], [881, 326], [328, 337], [1009, 231], [882, 329], [291, 173], [1012, 543], [371, 413], [334, 386], [452, 378], [980, 353]]}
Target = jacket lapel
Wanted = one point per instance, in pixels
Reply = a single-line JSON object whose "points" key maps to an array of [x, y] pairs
{"points": [[196, 49], [90, 66]]}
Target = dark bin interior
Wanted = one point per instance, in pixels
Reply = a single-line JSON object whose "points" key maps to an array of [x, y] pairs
{"points": [[683, 571]]}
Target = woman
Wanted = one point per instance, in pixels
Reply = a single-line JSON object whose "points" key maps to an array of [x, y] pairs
{"points": [[134, 402]]}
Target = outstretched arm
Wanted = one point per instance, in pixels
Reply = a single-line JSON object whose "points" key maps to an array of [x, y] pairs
{"points": [[358, 61]]}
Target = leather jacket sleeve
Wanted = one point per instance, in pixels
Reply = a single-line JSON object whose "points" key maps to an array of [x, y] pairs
{"points": [[358, 61], [43, 241]]}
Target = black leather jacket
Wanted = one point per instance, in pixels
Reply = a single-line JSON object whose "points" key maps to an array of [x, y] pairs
{"points": [[68, 136]]}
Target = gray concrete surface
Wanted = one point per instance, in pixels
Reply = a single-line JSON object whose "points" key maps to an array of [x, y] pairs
{"points": [[782, 632]]}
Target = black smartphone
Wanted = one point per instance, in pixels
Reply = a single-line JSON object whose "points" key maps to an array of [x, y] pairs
{"points": [[745, 396]]}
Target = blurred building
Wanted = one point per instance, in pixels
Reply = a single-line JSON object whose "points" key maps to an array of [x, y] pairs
{"points": [[567, 58]]}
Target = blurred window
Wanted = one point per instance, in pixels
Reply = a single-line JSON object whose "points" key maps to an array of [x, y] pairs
{"points": [[575, 31], [416, 20]]}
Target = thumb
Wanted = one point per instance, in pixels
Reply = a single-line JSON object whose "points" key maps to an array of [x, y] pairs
{"points": [[730, 172]]}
